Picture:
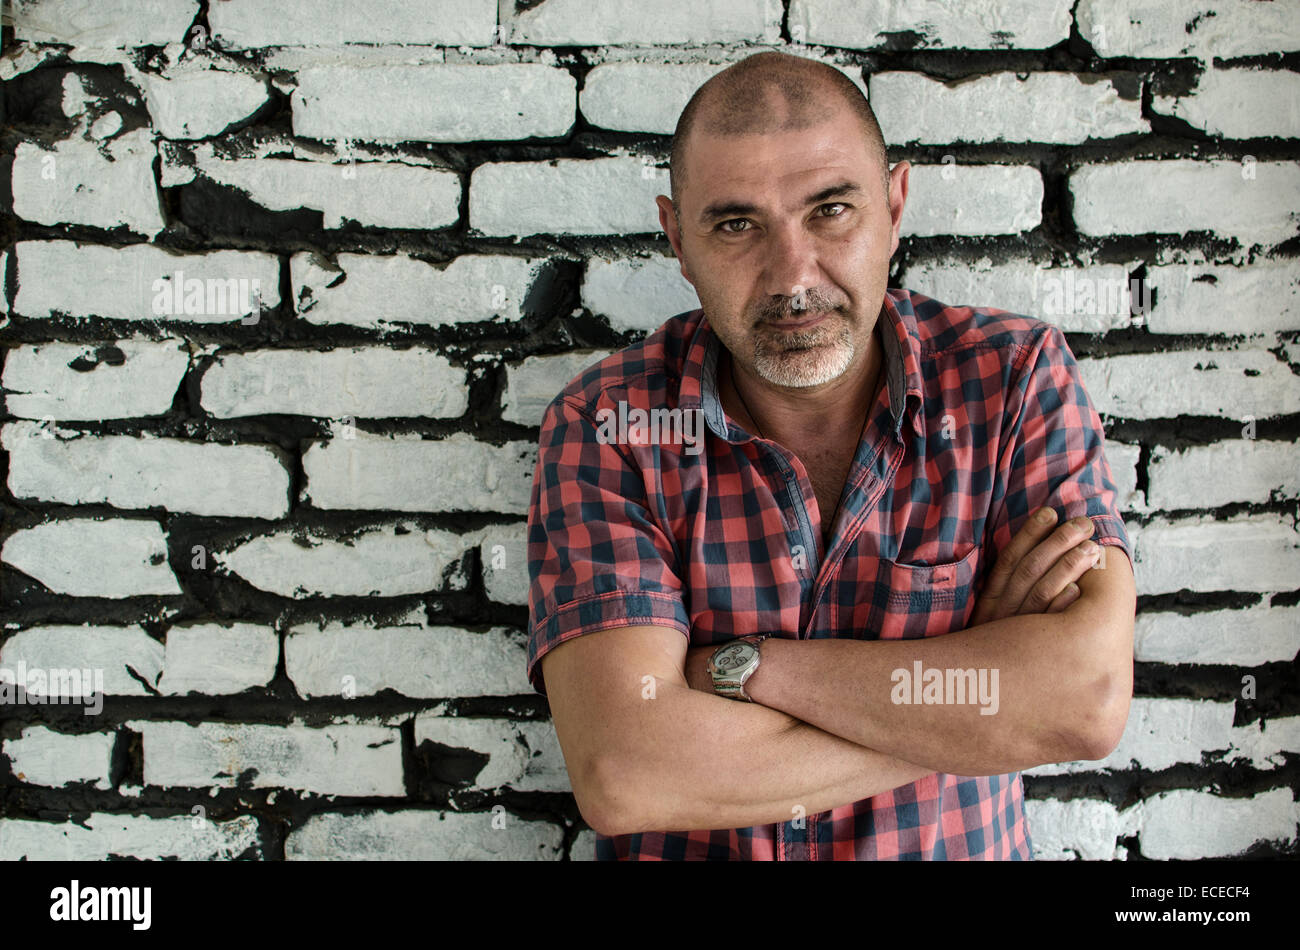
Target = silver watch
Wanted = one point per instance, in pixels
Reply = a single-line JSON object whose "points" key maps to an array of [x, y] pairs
{"points": [[733, 663]]}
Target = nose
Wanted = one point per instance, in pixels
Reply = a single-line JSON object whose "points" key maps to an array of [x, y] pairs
{"points": [[791, 261]]}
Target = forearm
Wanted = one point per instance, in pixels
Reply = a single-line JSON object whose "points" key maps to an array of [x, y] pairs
{"points": [[702, 762], [1035, 671]]}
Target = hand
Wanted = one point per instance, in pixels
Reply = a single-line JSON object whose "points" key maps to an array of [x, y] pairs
{"points": [[697, 667], [1036, 572]]}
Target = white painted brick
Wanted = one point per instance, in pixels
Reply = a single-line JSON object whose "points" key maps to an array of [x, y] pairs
{"points": [[111, 652], [1231, 199], [42, 382], [376, 292], [1002, 107], [504, 556], [531, 385], [1267, 743], [1184, 825], [637, 293], [972, 199], [572, 23], [524, 756], [338, 759], [85, 557], [136, 282], [862, 24], [581, 196], [41, 756], [1077, 299], [198, 95], [1213, 475], [1203, 28], [1254, 553], [1249, 637], [454, 103], [370, 382], [202, 478], [23, 58], [419, 662], [102, 23], [641, 97], [649, 97], [584, 846], [381, 563], [406, 473], [251, 24], [106, 126], [373, 194], [213, 659], [76, 98], [1239, 103], [99, 836], [74, 183], [1079, 829], [1232, 384], [291, 60], [1160, 734], [1123, 459], [423, 836], [1263, 297]]}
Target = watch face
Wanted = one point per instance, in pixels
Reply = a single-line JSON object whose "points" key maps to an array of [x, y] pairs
{"points": [[734, 657]]}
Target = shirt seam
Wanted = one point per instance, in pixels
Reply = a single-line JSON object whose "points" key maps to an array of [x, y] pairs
{"points": [[620, 594]]}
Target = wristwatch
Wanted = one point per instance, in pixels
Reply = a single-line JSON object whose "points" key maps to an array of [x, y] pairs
{"points": [[733, 663]]}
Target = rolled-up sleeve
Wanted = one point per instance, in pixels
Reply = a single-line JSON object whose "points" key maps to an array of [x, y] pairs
{"points": [[596, 557], [1052, 450]]}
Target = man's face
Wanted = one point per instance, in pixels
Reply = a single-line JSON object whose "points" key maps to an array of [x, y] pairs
{"points": [[787, 238]]}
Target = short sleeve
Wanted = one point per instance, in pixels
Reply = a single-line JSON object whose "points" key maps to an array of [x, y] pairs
{"points": [[597, 558], [1052, 450]]}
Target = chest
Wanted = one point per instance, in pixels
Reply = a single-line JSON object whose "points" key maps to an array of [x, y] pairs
{"points": [[828, 470]]}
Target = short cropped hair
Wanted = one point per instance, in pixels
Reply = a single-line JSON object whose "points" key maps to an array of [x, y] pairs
{"points": [[738, 100]]}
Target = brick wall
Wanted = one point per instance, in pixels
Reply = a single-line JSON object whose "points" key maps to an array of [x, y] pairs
{"points": [[288, 283]]}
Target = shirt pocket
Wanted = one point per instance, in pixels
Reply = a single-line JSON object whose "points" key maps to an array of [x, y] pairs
{"points": [[911, 601]]}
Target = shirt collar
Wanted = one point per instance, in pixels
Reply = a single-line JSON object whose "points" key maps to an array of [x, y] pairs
{"points": [[902, 348]]}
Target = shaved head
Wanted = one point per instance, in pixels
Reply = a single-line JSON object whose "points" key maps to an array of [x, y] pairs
{"points": [[772, 92]]}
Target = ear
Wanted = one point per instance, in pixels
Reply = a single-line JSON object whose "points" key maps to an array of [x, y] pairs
{"points": [[668, 221], [898, 181]]}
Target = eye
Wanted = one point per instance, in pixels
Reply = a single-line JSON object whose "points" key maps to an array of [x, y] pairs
{"points": [[726, 230], [834, 204]]}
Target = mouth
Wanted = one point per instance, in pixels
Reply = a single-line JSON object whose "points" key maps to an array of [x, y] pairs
{"points": [[789, 326]]}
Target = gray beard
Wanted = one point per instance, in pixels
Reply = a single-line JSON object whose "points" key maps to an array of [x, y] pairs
{"points": [[795, 363]]}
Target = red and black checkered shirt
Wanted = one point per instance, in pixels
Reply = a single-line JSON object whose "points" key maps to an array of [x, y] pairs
{"points": [[981, 420]]}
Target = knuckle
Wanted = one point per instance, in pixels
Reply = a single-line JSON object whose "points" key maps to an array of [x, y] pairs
{"points": [[1034, 603], [1032, 566], [1083, 555], [1067, 533]]}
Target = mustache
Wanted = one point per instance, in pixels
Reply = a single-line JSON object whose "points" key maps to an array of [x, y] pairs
{"points": [[796, 306]]}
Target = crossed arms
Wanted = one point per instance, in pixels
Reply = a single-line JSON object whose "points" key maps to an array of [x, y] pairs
{"points": [[649, 747]]}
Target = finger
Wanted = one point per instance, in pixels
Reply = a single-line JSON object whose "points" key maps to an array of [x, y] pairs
{"points": [[1036, 564], [1065, 598], [1068, 569], [1037, 527]]}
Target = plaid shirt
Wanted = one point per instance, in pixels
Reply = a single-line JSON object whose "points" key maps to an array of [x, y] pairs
{"points": [[982, 419]]}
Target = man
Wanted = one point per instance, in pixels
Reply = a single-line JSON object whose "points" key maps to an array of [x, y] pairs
{"points": [[869, 455]]}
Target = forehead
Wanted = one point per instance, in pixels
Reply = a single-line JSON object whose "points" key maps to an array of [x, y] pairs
{"points": [[749, 165]]}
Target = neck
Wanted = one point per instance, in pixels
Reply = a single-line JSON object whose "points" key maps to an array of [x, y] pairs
{"points": [[790, 416]]}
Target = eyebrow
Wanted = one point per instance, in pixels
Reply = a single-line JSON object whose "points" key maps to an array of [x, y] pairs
{"points": [[727, 209]]}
